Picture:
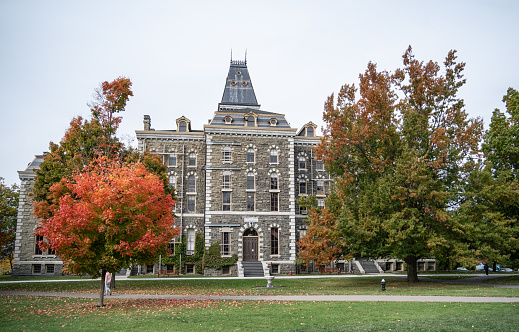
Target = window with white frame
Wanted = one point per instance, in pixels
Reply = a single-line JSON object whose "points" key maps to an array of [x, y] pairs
{"points": [[320, 187], [250, 181], [226, 184], [227, 154], [319, 165], [226, 201], [273, 181], [225, 244], [250, 155], [273, 156], [320, 202], [274, 241], [191, 200], [302, 186], [274, 201], [191, 184], [190, 241], [251, 201], [192, 159], [302, 162]]}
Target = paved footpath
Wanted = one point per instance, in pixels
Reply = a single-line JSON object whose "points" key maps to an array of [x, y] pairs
{"points": [[477, 280]]}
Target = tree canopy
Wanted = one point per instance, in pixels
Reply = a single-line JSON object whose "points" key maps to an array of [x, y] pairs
{"points": [[8, 213], [401, 148]]}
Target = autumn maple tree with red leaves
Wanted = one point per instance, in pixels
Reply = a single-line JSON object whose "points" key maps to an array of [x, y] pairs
{"points": [[102, 206], [400, 148]]}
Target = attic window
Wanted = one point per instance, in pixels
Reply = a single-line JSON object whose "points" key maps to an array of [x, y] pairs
{"points": [[310, 131], [182, 126], [228, 120], [273, 122], [251, 121], [238, 73], [244, 83], [233, 82]]}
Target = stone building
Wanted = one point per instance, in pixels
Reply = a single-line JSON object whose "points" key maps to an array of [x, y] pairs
{"points": [[237, 180], [238, 177]]}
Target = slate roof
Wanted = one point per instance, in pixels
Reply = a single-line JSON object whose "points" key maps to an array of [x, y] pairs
{"points": [[238, 86]]}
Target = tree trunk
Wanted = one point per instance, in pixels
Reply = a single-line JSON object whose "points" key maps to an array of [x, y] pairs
{"points": [[412, 273], [112, 282], [102, 294]]}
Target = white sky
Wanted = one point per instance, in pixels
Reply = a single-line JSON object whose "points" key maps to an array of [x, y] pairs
{"points": [[53, 54]]}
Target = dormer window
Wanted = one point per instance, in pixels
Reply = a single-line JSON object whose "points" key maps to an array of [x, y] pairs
{"points": [[228, 120], [251, 121], [310, 132], [182, 126], [273, 122]]}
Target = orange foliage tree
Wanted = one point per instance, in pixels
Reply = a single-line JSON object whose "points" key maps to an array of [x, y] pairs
{"points": [[400, 149], [107, 217]]}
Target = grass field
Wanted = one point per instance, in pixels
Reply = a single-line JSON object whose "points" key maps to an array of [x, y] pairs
{"points": [[31, 313]]}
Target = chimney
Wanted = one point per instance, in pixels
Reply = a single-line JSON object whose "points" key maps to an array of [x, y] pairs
{"points": [[147, 122]]}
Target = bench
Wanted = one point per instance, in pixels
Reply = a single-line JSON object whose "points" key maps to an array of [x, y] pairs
{"points": [[168, 273], [330, 270]]}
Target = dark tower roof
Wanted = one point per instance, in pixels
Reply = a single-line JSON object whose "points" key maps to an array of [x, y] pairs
{"points": [[238, 87]]}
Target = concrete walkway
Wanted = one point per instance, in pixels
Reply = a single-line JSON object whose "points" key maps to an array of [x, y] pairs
{"points": [[476, 280], [347, 298]]}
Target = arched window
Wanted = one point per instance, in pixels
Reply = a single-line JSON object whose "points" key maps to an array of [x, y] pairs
{"points": [[251, 121], [302, 186], [310, 131], [250, 232], [273, 181], [273, 156], [182, 126], [191, 184], [250, 155], [302, 162], [192, 159], [250, 181]]}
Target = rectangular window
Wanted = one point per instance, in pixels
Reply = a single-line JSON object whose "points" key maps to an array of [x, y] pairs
{"points": [[320, 187], [171, 248], [302, 187], [274, 201], [227, 155], [250, 155], [149, 268], [49, 268], [226, 198], [225, 245], [319, 165], [320, 202], [190, 269], [250, 201], [190, 243], [36, 268], [226, 269], [274, 241], [227, 181], [303, 210], [37, 249], [171, 160], [275, 268], [191, 204]]}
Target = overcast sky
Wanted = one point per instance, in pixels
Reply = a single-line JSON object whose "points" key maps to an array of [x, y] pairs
{"points": [[55, 53]]}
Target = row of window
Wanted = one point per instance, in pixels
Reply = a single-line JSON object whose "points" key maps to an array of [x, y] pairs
{"points": [[170, 160], [225, 242]]}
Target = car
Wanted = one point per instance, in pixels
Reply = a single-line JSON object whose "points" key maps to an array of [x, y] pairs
{"points": [[506, 269], [481, 267], [461, 269]]}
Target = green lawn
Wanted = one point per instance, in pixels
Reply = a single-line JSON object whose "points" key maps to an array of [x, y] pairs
{"points": [[28, 313], [236, 286]]}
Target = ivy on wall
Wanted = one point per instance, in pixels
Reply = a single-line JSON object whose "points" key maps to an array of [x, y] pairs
{"points": [[201, 258]]}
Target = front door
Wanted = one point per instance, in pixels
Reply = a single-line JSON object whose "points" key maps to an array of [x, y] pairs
{"points": [[250, 248]]}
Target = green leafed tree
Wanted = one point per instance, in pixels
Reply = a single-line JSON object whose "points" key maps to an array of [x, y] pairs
{"points": [[8, 214], [400, 147]]}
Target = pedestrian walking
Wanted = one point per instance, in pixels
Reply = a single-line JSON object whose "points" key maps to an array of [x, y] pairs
{"points": [[108, 280]]}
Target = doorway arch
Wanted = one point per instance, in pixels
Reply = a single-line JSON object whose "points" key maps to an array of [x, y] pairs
{"points": [[250, 245]]}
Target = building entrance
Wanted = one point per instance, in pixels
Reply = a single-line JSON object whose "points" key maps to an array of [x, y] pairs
{"points": [[250, 245]]}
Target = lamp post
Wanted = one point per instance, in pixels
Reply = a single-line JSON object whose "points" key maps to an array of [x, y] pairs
{"points": [[383, 283]]}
